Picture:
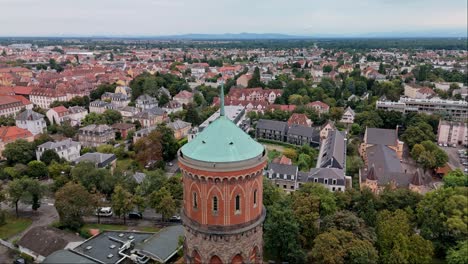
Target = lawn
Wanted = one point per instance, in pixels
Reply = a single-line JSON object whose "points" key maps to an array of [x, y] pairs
{"points": [[14, 226], [103, 227]]}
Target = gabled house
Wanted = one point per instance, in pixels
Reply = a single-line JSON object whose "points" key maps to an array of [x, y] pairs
{"points": [[57, 115], [32, 121], [299, 119], [172, 107], [184, 97], [348, 116], [180, 128], [320, 107], [123, 129]]}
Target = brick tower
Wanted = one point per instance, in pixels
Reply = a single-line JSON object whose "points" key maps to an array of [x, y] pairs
{"points": [[223, 192]]}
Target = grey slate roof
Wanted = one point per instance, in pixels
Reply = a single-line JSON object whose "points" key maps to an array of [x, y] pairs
{"points": [[387, 166], [381, 136], [302, 131], [96, 128], [272, 125], [64, 144], [76, 109], [178, 124], [67, 257], [99, 159], [139, 177], [283, 168], [333, 152], [29, 114], [155, 111], [98, 103], [163, 245]]}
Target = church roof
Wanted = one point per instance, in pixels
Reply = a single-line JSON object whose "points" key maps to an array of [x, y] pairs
{"points": [[222, 141]]}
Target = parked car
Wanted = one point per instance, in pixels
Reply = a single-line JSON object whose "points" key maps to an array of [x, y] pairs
{"points": [[174, 218], [135, 215], [104, 211]]}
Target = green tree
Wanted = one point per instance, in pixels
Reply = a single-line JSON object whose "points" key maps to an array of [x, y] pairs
{"points": [[339, 246], [15, 192], [255, 80], [168, 141], [415, 134], [192, 115], [458, 254], [122, 202], [397, 242], [163, 203], [348, 221], [72, 202], [33, 193], [49, 155], [443, 218], [271, 193], [37, 169], [112, 116], [20, 151], [456, 178], [280, 235], [429, 155]]}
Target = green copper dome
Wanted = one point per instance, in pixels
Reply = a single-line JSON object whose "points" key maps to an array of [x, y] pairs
{"points": [[222, 141]]}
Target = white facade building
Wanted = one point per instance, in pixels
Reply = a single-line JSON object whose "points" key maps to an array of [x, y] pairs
{"points": [[32, 121], [66, 149]]}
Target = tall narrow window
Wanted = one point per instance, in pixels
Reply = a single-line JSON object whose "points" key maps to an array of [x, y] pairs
{"points": [[195, 202], [255, 197], [215, 204], [238, 203]]}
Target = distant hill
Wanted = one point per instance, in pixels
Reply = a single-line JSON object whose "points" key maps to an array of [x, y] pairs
{"points": [[231, 36]]}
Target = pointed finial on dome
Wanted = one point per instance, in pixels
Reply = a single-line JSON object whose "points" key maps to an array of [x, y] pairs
{"points": [[221, 100]]}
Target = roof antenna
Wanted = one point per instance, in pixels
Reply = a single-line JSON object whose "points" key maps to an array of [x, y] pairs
{"points": [[221, 100]]}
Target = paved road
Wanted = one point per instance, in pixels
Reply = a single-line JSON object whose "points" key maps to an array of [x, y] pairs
{"points": [[6, 255], [453, 156], [44, 216]]}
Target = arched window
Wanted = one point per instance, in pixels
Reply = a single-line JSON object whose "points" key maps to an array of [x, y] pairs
{"points": [[195, 201], [255, 197], [237, 203], [215, 204]]}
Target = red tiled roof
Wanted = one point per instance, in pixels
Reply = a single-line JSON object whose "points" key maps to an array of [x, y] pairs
{"points": [[8, 99], [184, 95], [22, 90], [319, 104], [12, 133], [23, 99], [60, 109]]}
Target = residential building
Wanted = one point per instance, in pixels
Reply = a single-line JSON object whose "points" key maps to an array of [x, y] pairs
{"points": [[10, 106], [66, 149], [181, 129], [303, 135], [243, 80], [9, 134], [329, 171], [325, 129], [320, 107], [125, 90], [117, 99], [271, 130], [418, 92], [100, 160], [449, 109], [254, 94], [123, 129], [299, 119], [43, 97], [145, 102], [98, 106], [57, 115], [348, 116], [184, 97], [32, 121], [172, 107], [150, 117], [76, 114], [95, 135], [452, 133]]}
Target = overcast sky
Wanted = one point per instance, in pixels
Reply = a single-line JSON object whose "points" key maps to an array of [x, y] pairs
{"points": [[169, 17]]}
